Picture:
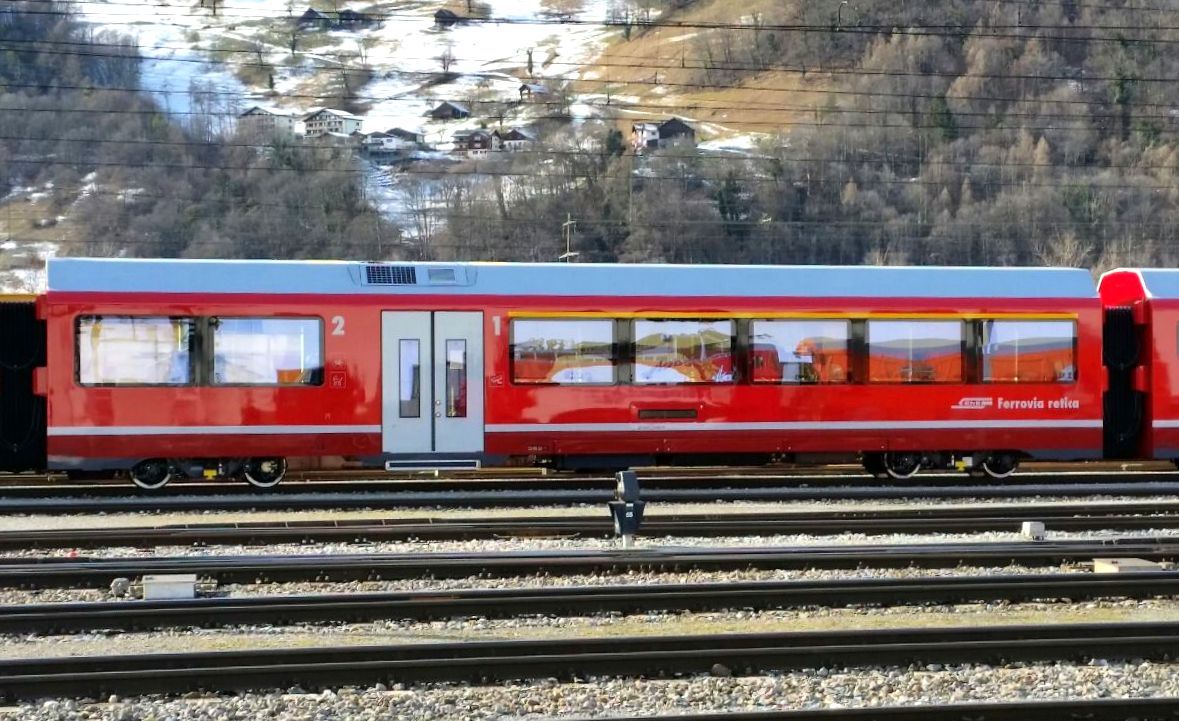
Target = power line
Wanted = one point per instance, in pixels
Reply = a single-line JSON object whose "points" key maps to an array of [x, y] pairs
{"points": [[572, 176], [858, 160], [240, 12], [1075, 77], [645, 63]]}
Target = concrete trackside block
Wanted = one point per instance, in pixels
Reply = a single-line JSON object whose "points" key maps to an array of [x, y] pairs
{"points": [[1033, 530], [1127, 565], [169, 586]]}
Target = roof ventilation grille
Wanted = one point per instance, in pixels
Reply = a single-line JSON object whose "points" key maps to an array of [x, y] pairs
{"points": [[390, 275]]}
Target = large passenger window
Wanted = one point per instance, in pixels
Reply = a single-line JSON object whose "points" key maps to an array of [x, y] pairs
{"points": [[914, 351], [683, 351], [134, 351], [563, 351], [267, 351], [1038, 351], [799, 351]]}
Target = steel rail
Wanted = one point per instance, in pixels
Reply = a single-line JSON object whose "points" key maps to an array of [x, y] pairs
{"points": [[488, 661], [539, 496], [1102, 709], [374, 483], [51, 618], [49, 572], [509, 477], [1059, 517]]}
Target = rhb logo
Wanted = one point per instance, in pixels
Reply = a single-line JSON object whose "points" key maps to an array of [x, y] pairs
{"points": [[973, 403]]}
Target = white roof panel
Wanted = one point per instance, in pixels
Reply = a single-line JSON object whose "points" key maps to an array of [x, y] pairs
{"points": [[560, 279]]}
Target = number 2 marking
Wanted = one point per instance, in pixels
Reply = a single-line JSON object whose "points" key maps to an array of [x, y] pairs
{"points": [[338, 325]]}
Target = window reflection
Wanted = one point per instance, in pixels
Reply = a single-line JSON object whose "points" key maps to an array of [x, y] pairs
{"points": [[410, 378], [126, 350], [267, 351], [1028, 351], [456, 379], [799, 351], [914, 351], [683, 351], [563, 352]]}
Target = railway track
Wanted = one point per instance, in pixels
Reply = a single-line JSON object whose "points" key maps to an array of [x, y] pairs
{"points": [[46, 572], [489, 661], [544, 497], [517, 478], [51, 618], [1059, 517], [1105, 709]]}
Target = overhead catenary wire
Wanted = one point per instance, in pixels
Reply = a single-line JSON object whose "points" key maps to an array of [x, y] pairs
{"points": [[247, 12]]}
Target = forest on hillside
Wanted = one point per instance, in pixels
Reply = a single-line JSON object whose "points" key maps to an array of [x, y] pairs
{"points": [[951, 132], [954, 132], [142, 182]]}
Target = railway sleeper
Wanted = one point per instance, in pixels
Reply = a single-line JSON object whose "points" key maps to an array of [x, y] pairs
{"points": [[906, 464], [154, 473]]}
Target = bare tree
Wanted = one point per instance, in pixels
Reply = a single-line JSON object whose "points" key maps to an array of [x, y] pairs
{"points": [[446, 59], [363, 46]]}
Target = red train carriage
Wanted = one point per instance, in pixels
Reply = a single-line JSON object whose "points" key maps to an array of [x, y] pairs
{"points": [[1142, 355], [235, 368]]}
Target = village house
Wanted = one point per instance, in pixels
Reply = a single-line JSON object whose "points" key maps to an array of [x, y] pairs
{"points": [[392, 144], [314, 19], [343, 20], [450, 111], [475, 142], [327, 120], [352, 19], [513, 139], [673, 132], [445, 18], [409, 136], [259, 122]]}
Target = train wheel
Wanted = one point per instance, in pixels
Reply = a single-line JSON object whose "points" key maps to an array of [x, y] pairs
{"points": [[1000, 465], [264, 472], [902, 465], [151, 474]]}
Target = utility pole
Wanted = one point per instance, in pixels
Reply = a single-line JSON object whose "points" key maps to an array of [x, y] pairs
{"points": [[567, 230]]}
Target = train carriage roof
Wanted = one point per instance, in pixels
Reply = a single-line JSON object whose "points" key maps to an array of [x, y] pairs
{"points": [[560, 279], [1128, 284]]}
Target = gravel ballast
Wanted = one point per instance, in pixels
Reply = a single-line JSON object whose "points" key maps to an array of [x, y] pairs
{"points": [[581, 544], [630, 578], [602, 698], [598, 626], [154, 518]]}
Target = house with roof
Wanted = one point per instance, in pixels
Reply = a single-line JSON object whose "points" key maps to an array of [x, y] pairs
{"points": [[513, 139], [327, 120], [474, 142], [260, 122], [445, 18], [392, 144], [314, 19], [447, 110], [409, 136], [672, 132], [346, 19]]}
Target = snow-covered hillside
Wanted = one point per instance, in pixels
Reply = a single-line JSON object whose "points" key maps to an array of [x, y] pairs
{"points": [[188, 44]]}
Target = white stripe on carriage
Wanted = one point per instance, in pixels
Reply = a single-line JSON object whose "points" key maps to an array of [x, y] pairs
{"points": [[789, 426], [205, 430]]}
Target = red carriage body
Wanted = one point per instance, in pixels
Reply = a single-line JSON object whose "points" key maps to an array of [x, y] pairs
{"points": [[572, 365]]}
